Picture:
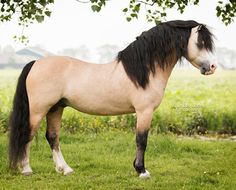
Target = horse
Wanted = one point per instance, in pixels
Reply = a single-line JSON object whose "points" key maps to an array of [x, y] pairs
{"points": [[133, 83]]}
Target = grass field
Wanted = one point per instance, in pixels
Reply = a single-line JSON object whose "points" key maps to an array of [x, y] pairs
{"points": [[104, 161]]}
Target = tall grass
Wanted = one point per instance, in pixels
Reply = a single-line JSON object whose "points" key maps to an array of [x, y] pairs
{"points": [[192, 104]]}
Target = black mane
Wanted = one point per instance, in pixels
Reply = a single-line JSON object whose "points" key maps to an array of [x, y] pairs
{"points": [[162, 44]]}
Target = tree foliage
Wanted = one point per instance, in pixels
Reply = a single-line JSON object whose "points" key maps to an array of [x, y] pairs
{"points": [[26, 10], [156, 9], [29, 11], [226, 11]]}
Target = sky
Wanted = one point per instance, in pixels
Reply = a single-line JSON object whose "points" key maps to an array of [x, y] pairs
{"points": [[73, 24]]}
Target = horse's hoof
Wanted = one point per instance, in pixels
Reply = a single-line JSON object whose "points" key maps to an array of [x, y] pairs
{"points": [[27, 172], [144, 175], [68, 171]]}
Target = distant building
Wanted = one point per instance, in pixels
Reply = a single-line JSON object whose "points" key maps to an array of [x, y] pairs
{"points": [[32, 53], [18, 59]]}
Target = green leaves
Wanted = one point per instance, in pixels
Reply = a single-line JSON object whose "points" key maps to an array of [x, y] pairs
{"points": [[39, 18], [128, 19], [137, 8], [226, 11], [27, 11], [21, 38], [97, 5], [156, 9], [48, 13], [37, 10], [133, 10], [125, 10], [95, 8]]}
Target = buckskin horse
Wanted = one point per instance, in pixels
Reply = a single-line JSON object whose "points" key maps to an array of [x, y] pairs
{"points": [[133, 83]]}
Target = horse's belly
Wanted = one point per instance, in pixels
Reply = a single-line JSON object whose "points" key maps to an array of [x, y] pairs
{"points": [[97, 101], [101, 106]]}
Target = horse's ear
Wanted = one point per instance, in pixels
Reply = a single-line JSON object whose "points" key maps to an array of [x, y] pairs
{"points": [[199, 27]]}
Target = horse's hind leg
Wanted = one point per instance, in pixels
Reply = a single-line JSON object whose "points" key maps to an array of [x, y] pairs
{"points": [[35, 120], [52, 135]]}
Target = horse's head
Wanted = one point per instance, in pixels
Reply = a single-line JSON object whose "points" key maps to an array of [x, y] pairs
{"points": [[200, 47]]}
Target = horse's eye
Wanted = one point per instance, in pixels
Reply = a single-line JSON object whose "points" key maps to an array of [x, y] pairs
{"points": [[200, 45]]}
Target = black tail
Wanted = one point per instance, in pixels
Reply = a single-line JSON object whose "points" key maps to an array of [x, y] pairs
{"points": [[19, 128]]}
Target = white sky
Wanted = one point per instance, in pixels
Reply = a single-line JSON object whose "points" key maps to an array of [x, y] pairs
{"points": [[73, 24]]}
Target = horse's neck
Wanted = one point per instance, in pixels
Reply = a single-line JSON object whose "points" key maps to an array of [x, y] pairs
{"points": [[162, 75]]}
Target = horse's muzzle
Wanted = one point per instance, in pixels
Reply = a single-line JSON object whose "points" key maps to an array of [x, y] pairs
{"points": [[208, 69]]}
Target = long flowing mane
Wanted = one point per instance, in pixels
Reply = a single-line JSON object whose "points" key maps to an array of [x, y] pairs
{"points": [[162, 44]]}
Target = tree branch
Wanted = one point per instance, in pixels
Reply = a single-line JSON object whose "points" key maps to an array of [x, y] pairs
{"points": [[88, 1], [146, 3]]}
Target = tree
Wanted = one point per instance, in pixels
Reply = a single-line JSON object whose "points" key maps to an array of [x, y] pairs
{"points": [[29, 11]]}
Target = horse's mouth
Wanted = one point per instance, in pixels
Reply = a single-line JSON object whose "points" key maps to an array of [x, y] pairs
{"points": [[204, 72], [209, 73]]}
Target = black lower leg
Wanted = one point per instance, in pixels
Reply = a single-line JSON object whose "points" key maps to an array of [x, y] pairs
{"points": [[52, 140], [141, 142]]}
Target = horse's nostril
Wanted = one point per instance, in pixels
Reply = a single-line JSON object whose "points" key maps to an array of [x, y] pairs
{"points": [[213, 66]]}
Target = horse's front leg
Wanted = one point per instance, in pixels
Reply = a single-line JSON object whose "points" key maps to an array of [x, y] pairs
{"points": [[143, 124]]}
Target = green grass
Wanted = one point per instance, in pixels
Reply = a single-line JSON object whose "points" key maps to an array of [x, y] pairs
{"points": [[104, 161]]}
